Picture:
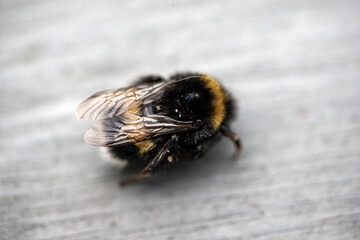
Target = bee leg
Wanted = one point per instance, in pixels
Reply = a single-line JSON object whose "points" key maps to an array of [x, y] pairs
{"points": [[227, 132], [145, 172], [164, 153]]}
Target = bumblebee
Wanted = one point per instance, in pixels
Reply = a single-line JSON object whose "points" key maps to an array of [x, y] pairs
{"points": [[160, 121]]}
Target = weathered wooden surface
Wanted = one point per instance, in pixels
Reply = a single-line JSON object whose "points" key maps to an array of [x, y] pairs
{"points": [[294, 66]]}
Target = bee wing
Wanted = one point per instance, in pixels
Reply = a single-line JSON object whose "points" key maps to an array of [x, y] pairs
{"points": [[112, 103], [120, 131]]}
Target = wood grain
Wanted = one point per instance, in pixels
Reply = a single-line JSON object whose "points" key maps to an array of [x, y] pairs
{"points": [[292, 65]]}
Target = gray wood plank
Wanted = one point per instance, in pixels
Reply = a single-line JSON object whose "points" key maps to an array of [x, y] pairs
{"points": [[292, 65]]}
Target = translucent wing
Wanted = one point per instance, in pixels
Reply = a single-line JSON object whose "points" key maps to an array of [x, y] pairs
{"points": [[121, 119], [121, 131], [111, 103]]}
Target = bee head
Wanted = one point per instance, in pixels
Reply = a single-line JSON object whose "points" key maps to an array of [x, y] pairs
{"points": [[195, 97]]}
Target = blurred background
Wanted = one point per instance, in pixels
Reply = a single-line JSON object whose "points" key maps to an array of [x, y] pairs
{"points": [[293, 66]]}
